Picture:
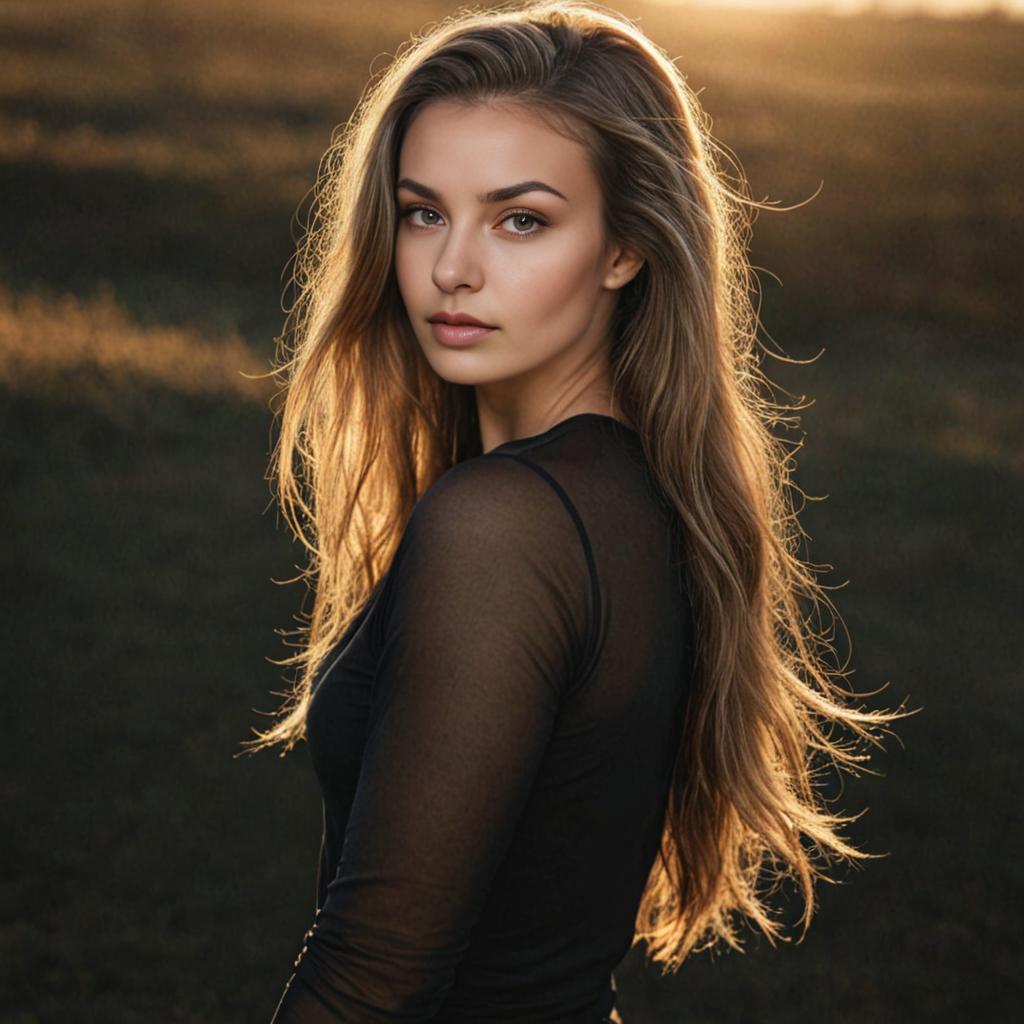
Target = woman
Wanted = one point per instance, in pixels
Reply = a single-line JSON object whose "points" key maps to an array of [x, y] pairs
{"points": [[557, 688]]}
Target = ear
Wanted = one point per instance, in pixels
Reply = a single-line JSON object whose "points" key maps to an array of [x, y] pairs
{"points": [[624, 264]]}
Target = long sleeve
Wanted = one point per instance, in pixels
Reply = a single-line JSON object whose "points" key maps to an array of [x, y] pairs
{"points": [[485, 619]]}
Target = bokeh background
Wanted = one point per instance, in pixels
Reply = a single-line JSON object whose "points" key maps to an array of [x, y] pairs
{"points": [[155, 161]]}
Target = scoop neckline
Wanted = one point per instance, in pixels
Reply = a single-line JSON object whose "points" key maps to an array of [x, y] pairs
{"points": [[557, 428]]}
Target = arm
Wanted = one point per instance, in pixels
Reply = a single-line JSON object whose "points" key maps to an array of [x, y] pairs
{"points": [[484, 623]]}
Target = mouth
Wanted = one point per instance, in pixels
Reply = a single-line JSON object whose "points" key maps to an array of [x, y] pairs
{"points": [[456, 319], [458, 335]]}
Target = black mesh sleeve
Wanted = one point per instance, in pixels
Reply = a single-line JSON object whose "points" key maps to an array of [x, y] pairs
{"points": [[484, 622]]}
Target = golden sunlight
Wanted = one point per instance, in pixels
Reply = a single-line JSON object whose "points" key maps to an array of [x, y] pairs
{"points": [[938, 8]]}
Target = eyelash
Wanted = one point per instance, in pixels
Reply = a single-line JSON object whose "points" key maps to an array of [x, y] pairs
{"points": [[407, 211]]}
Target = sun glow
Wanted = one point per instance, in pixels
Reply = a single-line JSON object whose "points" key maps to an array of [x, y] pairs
{"points": [[937, 8]]}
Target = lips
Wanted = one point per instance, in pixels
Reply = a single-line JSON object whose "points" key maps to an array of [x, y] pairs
{"points": [[458, 335], [457, 319]]}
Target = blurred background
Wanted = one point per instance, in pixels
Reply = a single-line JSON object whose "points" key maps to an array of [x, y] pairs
{"points": [[155, 161]]}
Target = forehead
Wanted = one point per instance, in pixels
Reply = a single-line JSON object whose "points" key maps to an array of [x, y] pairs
{"points": [[474, 148]]}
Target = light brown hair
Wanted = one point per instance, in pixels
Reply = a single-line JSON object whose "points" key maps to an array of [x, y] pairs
{"points": [[367, 426]]}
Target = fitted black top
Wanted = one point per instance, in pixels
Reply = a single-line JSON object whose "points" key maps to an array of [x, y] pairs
{"points": [[493, 738]]}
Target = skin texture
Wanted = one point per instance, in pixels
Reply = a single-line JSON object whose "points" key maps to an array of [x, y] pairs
{"points": [[548, 285]]}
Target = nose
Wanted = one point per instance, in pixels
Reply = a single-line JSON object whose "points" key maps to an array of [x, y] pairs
{"points": [[457, 262]]}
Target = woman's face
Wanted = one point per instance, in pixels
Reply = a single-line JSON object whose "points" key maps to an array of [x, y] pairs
{"points": [[533, 265]]}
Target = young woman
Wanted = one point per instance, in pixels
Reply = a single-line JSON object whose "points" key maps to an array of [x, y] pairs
{"points": [[557, 687]]}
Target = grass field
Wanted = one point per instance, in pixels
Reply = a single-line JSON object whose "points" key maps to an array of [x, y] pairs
{"points": [[152, 156]]}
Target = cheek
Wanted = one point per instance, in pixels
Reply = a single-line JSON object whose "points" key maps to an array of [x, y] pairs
{"points": [[556, 287]]}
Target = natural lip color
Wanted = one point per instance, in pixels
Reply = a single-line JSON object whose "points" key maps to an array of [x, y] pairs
{"points": [[458, 334], [457, 319]]}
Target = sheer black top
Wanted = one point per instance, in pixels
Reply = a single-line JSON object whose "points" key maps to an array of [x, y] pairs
{"points": [[493, 738]]}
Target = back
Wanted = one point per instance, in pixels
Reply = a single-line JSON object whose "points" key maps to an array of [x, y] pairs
{"points": [[494, 740]]}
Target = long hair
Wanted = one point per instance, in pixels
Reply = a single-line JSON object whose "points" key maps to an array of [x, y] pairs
{"points": [[367, 426]]}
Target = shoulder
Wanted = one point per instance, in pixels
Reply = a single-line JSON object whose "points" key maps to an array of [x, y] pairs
{"points": [[496, 501], [494, 521], [493, 541]]}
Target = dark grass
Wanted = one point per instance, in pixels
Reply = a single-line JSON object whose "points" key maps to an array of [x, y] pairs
{"points": [[152, 876]]}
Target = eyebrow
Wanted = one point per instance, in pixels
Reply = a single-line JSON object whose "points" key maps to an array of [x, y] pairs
{"points": [[498, 195]]}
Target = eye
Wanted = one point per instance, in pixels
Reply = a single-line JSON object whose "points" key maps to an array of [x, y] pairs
{"points": [[518, 216], [406, 212]]}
